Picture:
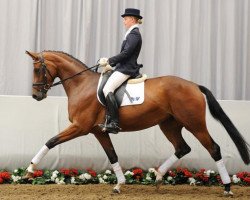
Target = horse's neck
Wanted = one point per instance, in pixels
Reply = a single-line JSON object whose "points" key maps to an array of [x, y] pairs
{"points": [[67, 68]]}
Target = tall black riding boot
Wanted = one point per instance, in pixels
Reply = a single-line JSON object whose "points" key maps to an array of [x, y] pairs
{"points": [[113, 126]]}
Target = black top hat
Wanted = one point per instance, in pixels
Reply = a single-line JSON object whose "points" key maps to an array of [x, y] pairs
{"points": [[132, 12]]}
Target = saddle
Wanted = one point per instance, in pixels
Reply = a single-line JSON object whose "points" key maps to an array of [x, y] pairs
{"points": [[120, 91]]}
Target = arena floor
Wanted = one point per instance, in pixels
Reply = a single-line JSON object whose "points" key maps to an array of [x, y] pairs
{"points": [[98, 192]]}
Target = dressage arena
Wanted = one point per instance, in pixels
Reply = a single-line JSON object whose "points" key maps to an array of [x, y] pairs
{"points": [[99, 192], [202, 41]]}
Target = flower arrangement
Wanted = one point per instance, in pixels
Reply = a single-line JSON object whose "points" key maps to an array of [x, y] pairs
{"points": [[242, 178], [133, 176], [4, 177]]}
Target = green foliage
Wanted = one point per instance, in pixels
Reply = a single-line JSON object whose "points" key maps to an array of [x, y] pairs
{"points": [[133, 176]]}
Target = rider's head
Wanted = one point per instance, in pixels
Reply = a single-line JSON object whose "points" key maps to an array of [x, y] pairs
{"points": [[131, 17]]}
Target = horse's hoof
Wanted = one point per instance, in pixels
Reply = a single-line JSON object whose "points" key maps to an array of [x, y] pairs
{"points": [[228, 193], [117, 187], [158, 179], [28, 176], [116, 191], [158, 184]]}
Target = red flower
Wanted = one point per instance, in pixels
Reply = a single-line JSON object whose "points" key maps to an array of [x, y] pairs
{"points": [[38, 173], [171, 173], [69, 172], [202, 176], [5, 175], [91, 172], [178, 170], [187, 173], [137, 171], [247, 180], [74, 172], [241, 175], [65, 171], [244, 176]]}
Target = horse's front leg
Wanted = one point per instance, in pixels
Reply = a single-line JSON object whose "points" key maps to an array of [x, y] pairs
{"points": [[107, 145], [71, 132]]}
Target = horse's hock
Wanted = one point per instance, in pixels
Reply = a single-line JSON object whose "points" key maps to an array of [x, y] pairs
{"points": [[27, 124]]}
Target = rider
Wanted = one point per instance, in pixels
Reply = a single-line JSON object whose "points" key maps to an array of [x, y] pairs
{"points": [[125, 63]]}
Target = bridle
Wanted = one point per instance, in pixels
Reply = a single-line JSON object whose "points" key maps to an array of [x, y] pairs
{"points": [[45, 86]]}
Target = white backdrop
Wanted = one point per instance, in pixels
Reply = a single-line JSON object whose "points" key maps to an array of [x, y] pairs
{"points": [[205, 41], [26, 125]]}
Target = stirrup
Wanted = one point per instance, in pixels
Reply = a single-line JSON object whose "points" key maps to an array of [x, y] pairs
{"points": [[103, 126], [107, 129], [113, 128]]}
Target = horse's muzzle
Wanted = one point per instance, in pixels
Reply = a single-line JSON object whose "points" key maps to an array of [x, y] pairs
{"points": [[39, 96]]}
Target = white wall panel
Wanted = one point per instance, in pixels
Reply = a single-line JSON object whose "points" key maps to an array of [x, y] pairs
{"points": [[26, 125]]}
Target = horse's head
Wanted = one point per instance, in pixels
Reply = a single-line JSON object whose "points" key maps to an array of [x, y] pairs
{"points": [[42, 76]]}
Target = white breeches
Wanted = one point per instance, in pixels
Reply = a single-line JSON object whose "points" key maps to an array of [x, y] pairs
{"points": [[114, 81]]}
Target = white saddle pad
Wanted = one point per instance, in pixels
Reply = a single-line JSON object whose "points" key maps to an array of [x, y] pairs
{"points": [[136, 92]]}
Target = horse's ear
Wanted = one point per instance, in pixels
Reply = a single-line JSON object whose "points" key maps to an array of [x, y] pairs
{"points": [[34, 56]]}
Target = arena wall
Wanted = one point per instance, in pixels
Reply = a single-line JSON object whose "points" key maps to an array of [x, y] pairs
{"points": [[26, 125]]}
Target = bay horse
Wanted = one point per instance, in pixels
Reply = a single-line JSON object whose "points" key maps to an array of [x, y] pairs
{"points": [[170, 102]]}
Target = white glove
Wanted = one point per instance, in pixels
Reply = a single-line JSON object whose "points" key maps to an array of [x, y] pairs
{"points": [[103, 62], [106, 68]]}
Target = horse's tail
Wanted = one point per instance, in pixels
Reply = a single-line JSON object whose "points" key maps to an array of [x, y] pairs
{"points": [[218, 113]]}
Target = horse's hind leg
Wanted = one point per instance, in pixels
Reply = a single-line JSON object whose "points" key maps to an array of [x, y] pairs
{"points": [[193, 118], [196, 124], [214, 150], [172, 130]]}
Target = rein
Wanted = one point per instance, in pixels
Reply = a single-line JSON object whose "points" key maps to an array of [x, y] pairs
{"points": [[45, 84], [79, 73]]}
